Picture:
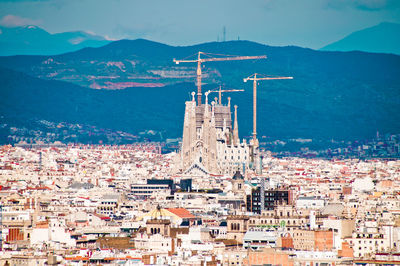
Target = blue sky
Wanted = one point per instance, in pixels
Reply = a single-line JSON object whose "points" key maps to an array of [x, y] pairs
{"points": [[306, 23]]}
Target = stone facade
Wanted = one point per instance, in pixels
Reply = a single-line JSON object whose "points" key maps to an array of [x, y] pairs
{"points": [[210, 145], [237, 226]]}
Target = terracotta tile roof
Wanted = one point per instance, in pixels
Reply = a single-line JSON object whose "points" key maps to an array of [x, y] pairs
{"points": [[181, 212]]}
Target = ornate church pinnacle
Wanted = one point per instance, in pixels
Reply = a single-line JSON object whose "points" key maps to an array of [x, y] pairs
{"points": [[235, 128]]}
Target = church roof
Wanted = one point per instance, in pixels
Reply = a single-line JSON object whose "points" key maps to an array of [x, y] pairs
{"points": [[238, 176], [171, 213], [197, 166]]}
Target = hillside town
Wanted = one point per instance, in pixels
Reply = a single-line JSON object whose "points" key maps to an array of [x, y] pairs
{"points": [[122, 204], [386, 146]]}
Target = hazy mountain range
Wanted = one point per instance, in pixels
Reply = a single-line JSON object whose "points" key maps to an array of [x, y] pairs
{"points": [[32, 40], [382, 38], [342, 95]]}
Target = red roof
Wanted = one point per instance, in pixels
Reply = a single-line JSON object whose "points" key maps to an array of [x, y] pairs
{"points": [[38, 188], [181, 212]]}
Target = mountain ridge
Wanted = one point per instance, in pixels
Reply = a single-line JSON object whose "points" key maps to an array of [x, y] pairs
{"points": [[381, 38], [333, 94], [33, 40]]}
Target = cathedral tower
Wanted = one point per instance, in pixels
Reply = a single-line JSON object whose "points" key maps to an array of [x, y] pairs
{"points": [[210, 145]]}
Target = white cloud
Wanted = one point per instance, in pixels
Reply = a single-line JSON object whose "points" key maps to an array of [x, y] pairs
{"points": [[15, 21]]}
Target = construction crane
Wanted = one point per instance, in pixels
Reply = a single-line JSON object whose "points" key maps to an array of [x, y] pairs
{"points": [[200, 60], [254, 78], [220, 91]]}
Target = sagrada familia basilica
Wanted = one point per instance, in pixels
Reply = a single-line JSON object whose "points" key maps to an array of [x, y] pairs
{"points": [[210, 145]]}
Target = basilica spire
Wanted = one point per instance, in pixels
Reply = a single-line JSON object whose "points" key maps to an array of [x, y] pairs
{"points": [[235, 129]]}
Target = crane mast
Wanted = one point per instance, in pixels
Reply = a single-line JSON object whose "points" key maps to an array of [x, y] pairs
{"points": [[255, 79], [200, 60]]}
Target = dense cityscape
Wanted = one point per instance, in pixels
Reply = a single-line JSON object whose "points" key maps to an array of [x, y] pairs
{"points": [[204, 133], [113, 204], [208, 198], [384, 147]]}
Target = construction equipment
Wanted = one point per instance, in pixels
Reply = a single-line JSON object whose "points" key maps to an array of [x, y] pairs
{"points": [[254, 78], [200, 60], [220, 91]]}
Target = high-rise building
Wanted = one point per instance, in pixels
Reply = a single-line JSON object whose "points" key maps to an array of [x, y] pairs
{"points": [[272, 197]]}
